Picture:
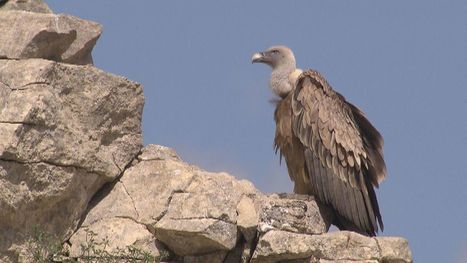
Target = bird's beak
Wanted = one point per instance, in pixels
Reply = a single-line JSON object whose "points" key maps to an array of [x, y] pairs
{"points": [[258, 57]]}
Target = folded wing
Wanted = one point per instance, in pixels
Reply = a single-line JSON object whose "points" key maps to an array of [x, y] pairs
{"points": [[343, 151]]}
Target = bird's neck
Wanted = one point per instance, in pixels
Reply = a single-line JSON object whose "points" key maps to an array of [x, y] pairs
{"points": [[283, 80]]}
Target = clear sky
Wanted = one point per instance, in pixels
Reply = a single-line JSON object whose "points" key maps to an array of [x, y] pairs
{"points": [[403, 62]]}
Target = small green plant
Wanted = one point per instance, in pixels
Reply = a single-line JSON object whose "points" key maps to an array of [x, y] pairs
{"points": [[47, 248], [43, 246], [96, 252]]}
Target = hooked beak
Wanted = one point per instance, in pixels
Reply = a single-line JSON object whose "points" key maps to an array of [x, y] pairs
{"points": [[258, 58]]}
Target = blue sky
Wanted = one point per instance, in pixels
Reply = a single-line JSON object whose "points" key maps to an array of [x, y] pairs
{"points": [[403, 62]]}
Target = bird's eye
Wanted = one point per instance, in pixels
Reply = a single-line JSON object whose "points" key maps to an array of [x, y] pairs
{"points": [[275, 51]]}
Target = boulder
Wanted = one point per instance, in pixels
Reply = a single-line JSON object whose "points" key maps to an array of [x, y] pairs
{"points": [[192, 234], [394, 250], [293, 213], [37, 6], [341, 246], [203, 217], [65, 131], [61, 38]]}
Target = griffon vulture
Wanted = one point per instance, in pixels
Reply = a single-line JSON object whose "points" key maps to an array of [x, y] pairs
{"points": [[331, 149]]}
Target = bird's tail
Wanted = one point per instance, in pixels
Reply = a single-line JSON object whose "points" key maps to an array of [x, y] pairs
{"points": [[344, 224]]}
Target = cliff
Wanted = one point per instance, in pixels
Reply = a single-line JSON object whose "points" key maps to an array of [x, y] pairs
{"points": [[74, 172]]}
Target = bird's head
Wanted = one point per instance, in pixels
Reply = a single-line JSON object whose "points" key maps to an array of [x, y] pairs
{"points": [[276, 57]]}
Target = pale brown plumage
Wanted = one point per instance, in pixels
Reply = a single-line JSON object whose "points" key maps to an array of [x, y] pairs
{"points": [[332, 151]]}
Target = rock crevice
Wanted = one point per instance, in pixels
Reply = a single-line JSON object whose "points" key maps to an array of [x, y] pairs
{"points": [[132, 200]]}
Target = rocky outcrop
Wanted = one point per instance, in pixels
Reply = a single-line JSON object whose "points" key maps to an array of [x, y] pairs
{"points": [[343, 246], [198, 216], [61, 38], [25, 5], [190, 210], [65, 129], [72, 165]]}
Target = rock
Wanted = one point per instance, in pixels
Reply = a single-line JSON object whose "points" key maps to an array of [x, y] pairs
{"points": [[37, 6], [193, 212], [120, 205], [87, 34], [142, 194], [394, 249], [145, 182], [158, 175], [217, 257], [65, 131], [277, 245], [294, 213], [158, 152], [148, 180], [71, 116], [248, 218], [202, 219], [193, 236], [61, 38], [116, 236], [342, 246], [240, 254], [345, 245]]}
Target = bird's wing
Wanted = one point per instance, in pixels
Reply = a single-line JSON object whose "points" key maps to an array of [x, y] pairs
{"points": [[343, 160]]}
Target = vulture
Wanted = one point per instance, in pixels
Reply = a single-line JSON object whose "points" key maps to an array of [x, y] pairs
{"points": [[331, 149]]}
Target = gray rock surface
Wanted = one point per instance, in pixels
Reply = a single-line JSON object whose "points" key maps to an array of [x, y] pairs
{"points": [[61, 38], [341, 246], [72, 116], [293, 213], [65, 131], [37, 6], [394, 249]]}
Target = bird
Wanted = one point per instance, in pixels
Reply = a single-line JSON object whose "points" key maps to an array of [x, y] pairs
{"points": [[331, 149]]}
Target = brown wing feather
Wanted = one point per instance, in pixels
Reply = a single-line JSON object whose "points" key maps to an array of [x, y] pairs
{"points": [[342, 151], [373, 143]]}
